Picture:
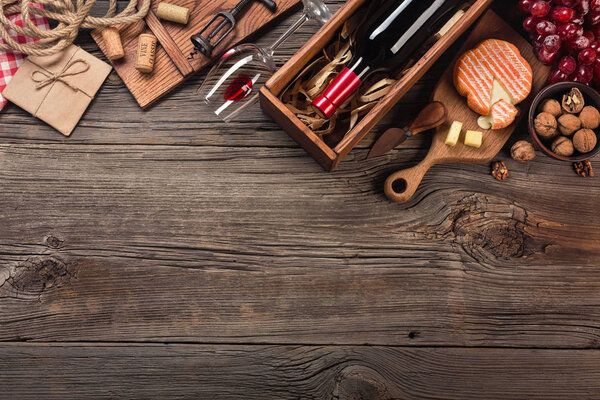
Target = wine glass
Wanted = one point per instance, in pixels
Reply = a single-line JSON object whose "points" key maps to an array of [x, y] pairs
{"points": [[232, 84]]}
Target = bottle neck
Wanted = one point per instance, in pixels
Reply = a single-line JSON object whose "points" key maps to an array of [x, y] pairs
{"points": [[360, 67]]}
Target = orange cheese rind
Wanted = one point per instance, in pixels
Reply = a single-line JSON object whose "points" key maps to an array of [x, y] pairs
{"points": [[503, 114], [477, 69]]}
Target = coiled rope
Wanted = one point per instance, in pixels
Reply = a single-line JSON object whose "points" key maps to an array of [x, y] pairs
{"points": [[71, 15]]}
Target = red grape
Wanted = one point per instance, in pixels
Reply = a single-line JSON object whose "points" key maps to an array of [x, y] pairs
{"points": [[525, 5], [558, 76], [530, 23], [547, 57], [577, 44], [568, 31], [584, 74], [545, 27], [587, 56], [595, 5], [552, 43], [590, 35], [567, 65], [562, 15], [540, 8]]}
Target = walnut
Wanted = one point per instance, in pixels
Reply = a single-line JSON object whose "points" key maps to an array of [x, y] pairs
{"points": [[551, 106], [585, 140], [499, 170], [584, 168], [568, 124], [522, 151], [573, 101], [590, 117], [563, 147], [545, 125]]}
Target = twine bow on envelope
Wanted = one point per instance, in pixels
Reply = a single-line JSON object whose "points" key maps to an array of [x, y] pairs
{"points": [[75, 67]]}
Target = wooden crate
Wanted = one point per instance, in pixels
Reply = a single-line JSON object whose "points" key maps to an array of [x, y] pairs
{"points": [[325, 155]]}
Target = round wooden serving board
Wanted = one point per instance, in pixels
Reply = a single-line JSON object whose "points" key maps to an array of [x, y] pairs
{"points": [[491, 26]]}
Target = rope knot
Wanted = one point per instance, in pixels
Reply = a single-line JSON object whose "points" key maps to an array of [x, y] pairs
{"points": [[43, 78]]}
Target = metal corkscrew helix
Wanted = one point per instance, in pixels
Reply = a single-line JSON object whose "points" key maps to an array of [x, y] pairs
{"points": [[206, 44]]}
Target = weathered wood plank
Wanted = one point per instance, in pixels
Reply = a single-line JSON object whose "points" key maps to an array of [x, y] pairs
{"points": [[268, 372], [247, 245]]}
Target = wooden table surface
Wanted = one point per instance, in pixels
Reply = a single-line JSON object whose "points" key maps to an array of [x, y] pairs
{"points": [[164, 254]]}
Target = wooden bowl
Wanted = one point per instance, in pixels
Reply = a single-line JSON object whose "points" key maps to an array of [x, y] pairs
{"points": [[556, 91]]}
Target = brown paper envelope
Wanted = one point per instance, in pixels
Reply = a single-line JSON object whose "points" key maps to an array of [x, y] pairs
{"points": [[64, 115], [57, 104]]}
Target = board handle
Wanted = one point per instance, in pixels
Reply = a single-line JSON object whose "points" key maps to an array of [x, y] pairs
{"points": [[402, 185]]}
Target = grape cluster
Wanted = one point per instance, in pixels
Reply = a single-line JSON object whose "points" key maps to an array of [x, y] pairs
{"points": [[566, 34]]}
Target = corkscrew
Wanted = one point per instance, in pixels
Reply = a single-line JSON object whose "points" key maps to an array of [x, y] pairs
{"points": [[222, 20]]}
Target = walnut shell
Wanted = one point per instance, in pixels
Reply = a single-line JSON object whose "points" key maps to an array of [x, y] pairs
{"points": [[585, 140], [573, 102], [545, 125], [499, 170], [590, 117], [551, 106], [584, 169], [522, 151], [563, 147], [568, 124]]}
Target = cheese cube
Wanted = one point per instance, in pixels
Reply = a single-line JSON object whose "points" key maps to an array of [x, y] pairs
{"points": [[454, 133], [474, 138]]}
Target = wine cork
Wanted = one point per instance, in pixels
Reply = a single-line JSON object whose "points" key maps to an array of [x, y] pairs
{"points": [[146, 53], [112, 43], [173, 13]]}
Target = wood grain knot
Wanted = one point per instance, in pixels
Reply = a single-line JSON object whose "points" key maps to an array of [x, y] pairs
{"points": [[413, 334], [31, 278], [360, 383], [53, 241], [494, 227]]}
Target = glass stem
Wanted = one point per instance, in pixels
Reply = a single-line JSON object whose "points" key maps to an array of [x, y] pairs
{"points": [[288, 33]]}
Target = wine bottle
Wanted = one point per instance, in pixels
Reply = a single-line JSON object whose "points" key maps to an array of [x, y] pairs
{"points": [[385, 40]]}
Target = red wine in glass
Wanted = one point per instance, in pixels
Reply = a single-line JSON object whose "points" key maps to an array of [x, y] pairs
{"points": [[239, 89]]}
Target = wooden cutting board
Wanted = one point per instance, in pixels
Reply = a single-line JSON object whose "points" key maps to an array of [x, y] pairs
{"points": [[172, 65], [402, 185]]}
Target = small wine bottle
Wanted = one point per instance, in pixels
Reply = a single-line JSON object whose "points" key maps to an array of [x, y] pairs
{"points": [[385, 40]]}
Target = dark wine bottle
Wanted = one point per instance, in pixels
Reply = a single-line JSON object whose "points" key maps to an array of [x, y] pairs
{"points": [[385, 40]]}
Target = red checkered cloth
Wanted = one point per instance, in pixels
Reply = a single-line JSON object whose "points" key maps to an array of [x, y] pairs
{"points": [[10, 61]]}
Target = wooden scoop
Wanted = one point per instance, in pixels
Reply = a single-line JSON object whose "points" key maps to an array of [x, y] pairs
{"points": [[432, 116]]}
